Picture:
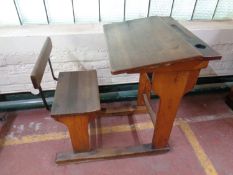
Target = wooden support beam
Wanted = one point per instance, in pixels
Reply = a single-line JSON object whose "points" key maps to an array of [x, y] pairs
{"points": [[149, 109], [170, 87], [143, 87], [78, 130], [102, 154], [122, 111]]}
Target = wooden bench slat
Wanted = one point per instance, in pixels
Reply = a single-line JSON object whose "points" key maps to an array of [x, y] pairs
{"points": [[76, 93], [39, 68]]}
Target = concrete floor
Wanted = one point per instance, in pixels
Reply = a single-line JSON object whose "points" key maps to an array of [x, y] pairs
{"points": [[201, 142]]}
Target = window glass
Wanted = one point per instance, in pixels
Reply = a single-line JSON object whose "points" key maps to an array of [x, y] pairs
{"points": [[112, 10], [8, 14], [86, 11], [59, 11], [160, 8], [183, 9], [224, 10], [136, 9], [204, 9], [32, 11]]}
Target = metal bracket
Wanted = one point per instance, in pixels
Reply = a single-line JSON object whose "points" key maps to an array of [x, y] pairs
{"points": [[41, 91], [51, 68], [44, 99]]}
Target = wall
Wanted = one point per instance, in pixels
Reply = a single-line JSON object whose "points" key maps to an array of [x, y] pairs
{"points": [[81, 47]]}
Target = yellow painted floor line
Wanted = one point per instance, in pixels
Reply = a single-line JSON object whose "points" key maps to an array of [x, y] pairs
{"points": [[125, 128], [199, 151], [33, 138], [64, 135], [104, 130]]}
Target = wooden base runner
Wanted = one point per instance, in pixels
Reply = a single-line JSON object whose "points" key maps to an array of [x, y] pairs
{"points": [[149, 109], [122, 111], [102, 154]]}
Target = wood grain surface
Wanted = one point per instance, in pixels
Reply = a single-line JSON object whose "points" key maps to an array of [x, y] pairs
{"points": [[39, 67], [76, 93], [109, 153], [171, 86], [208, 53], [78, 130], [142, 43], [144, 86]]}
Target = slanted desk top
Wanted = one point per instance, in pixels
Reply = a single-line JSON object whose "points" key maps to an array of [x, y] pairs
{"points": [[150, 42]]}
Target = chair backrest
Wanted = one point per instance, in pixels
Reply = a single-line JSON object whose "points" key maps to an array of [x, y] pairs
{"points": [[39, 67]]}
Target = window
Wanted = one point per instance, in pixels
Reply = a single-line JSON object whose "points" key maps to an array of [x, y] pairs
{"points": [[183, 9], [59, 11], [136, 9], [224, 10], [86, 11], [112, 10], [31, 12], [161, 8], [16, 12], [205, 9], [8, 13]]}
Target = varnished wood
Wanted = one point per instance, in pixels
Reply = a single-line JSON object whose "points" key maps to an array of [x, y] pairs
{"points": [[75, 103], [78, 130], [76, 99], [122, 111], [171, 67], [170, 87], [39, 67], [155, 45], [208, 53], [76, 93], [170, 52], [149, 109], [192, 79], [144, 86], [148, 42], [166, 49], [102, 154]]}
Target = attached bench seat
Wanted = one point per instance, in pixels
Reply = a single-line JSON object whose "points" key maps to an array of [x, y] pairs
{"points": [[76, 99], [75, 103], [76, 93]]}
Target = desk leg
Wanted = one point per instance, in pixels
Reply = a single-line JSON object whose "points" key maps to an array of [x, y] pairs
{"points": [[143, 87], [78, 130], [170, 86]]}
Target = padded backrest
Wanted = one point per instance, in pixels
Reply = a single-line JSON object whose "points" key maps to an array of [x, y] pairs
{"points": [[39, 67]]}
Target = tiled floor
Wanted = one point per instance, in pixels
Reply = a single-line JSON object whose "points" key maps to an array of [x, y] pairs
{"points": [[30, 140]]}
